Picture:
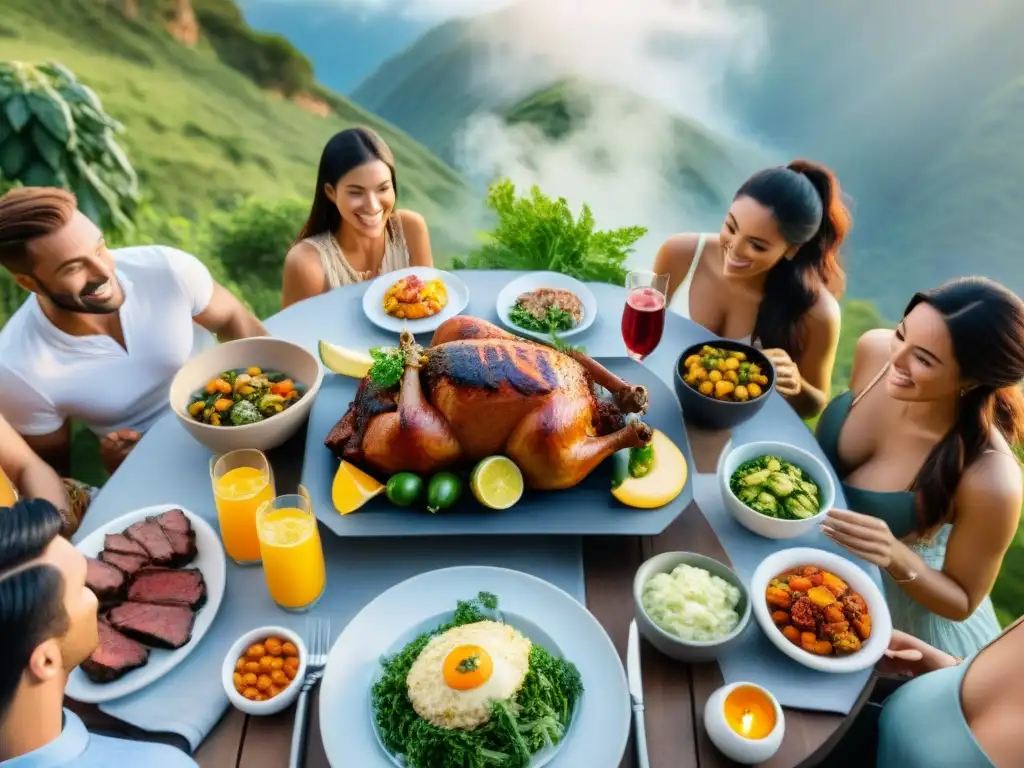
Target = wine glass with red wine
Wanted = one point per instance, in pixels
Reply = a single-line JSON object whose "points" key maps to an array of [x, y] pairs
{"points": [[643, 319]]}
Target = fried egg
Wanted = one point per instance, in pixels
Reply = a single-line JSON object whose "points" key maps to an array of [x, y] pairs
{"points": [[460, 672]]}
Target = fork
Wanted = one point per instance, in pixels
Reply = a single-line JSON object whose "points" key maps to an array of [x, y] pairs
{"points": [[318, 632]]}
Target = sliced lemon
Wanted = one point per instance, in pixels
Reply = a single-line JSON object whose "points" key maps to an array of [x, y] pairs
{"points": [[344, 361], [352, 488], [497, 482]]}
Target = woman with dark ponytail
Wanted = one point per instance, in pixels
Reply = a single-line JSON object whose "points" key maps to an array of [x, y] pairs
{"points": [[772, 275], [927, 459]]}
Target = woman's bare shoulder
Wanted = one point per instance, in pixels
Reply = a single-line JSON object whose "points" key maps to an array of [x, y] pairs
{"points": [[681, 248], [411, 219], [993, 483], [869, 356], [302, 255]]}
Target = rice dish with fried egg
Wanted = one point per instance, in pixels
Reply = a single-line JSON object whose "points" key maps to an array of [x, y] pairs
{"points": [[456, 677], [473, 692]]}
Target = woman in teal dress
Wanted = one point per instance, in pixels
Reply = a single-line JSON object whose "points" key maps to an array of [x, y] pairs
{"points": [[961, 713], [921, 443]]}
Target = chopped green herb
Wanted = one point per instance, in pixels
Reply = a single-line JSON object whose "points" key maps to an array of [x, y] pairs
{"points": [[388, 366], [555, 319]]}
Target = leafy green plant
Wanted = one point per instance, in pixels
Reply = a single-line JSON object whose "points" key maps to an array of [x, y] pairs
{"points": [[54, 133], [538, 233]]}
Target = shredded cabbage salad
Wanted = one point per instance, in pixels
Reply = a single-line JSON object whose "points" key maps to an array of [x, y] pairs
{"points": [[691, 603]]}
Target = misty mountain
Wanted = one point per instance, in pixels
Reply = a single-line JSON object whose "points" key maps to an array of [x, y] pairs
{"points": [[344, 44], [917, 105]]}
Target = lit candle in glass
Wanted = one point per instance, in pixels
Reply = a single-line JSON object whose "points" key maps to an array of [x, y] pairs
{"points": [[745, 722], [749, 712]]}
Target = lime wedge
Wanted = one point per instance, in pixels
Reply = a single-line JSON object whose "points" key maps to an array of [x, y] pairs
{"points": [[497, 482], [344, 361]]}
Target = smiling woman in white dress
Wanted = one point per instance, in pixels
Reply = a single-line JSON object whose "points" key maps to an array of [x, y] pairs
{"points": [[354, 232], [772, 275]]}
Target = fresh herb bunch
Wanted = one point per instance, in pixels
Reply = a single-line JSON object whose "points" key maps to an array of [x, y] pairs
{"points": [[388, 366], [54, 133], [554, 320], [538, 715], [536, 233]]}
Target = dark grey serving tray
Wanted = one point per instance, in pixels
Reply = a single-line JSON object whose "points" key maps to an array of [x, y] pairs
{"points": [[588, 509]]}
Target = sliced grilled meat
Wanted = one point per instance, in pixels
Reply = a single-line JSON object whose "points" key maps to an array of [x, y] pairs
{"points": [[106, 581], [184, 546], [151, 536], [114, 656], [174, 520], [167, 585], [118, 542], [127, 563], [161, 626]]}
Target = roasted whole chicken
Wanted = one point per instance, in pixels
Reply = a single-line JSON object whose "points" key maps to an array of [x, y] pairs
{"points": [[477, 391]]}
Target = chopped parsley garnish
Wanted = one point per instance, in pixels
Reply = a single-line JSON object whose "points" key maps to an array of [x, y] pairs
{"points": [[555, 319], [388, 366]]}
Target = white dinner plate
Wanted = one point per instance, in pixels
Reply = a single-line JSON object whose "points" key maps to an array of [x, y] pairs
{"points": [[549, 616], [210, 560], [373, 300], [531, 282]]}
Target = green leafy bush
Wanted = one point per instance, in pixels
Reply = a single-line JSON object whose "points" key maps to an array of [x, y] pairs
{"points": [[251, 241], [268, 60], [538, 233], [54, 133]]}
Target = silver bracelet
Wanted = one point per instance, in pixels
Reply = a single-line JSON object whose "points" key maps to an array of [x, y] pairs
{"points": [[911, 575]]}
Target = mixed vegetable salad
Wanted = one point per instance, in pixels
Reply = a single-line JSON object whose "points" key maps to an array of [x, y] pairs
{"points": [[244, 396], [776, 488]]}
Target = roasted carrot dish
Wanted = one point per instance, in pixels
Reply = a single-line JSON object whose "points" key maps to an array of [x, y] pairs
{"points": [[817, 610]]}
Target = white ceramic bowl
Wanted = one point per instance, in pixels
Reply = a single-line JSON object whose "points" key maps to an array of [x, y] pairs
{"points": [[773, 527], [858, 580], [673, 646], [284, 699], [264, 352], [731, 744], [531, 282]]}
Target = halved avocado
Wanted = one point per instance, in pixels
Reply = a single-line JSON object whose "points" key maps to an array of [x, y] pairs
{"points": [[663, 480]]}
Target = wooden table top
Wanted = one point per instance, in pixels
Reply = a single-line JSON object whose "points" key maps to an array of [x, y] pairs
{"points": [[674, 693]]}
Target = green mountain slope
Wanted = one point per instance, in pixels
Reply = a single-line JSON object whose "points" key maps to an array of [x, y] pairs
{"points": [[202, 134], [429, 89]]}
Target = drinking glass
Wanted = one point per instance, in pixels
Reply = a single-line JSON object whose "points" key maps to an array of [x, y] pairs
{"points": [[8, 493], [242, 482], [643, 319], [293, 556]]}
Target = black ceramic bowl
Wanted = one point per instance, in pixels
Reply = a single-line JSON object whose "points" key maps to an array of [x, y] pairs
{"points": [[709, 413]]}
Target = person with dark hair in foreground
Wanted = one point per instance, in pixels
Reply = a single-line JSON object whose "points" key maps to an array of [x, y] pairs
{"points": [[48, 626], [772, 276], [922, 443], [100, 338], [354, 232]]}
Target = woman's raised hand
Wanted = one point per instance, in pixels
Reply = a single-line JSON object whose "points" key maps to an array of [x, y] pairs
{"points": [[787, 375]]}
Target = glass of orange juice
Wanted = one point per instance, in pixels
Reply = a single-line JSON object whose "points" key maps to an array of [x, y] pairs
{"points": [[293, 557], [8, 493], [242, 482]]}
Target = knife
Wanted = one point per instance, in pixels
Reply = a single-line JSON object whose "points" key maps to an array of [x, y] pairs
{"points": [[636, 694]]}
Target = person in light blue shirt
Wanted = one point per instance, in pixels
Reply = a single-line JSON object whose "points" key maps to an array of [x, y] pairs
{"points": [[48, 626]]}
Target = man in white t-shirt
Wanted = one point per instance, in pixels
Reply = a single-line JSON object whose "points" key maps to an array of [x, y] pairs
{"points": [[104, 333]]}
